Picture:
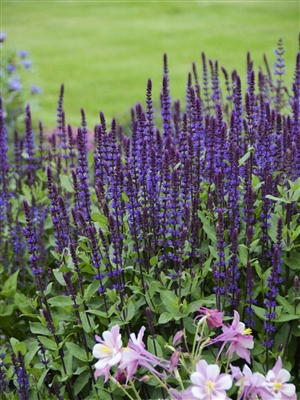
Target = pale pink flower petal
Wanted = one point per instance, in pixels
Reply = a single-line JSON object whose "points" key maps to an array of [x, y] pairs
{"points": [[224, 382], [208, 383], [283, 375], [276, 383], [109, 351], [198, 392]]}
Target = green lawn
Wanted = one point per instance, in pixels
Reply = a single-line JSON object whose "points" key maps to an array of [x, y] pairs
{"points": [[104, 51]]}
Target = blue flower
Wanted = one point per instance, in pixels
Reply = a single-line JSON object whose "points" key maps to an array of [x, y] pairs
{"points": [[11, 68], [27, 63], [23, 53], [35, 89], [2, 36], [15, 85]]}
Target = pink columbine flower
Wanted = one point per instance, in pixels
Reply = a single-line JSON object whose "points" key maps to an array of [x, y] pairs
{"points": [[253, 384], [239, 337], [208, 383], [213, 317], [276, 383], [135, 355], [109, 351]]}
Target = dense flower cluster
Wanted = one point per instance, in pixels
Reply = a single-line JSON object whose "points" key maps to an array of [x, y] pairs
{"points": [[206, 381], [148, 224]]}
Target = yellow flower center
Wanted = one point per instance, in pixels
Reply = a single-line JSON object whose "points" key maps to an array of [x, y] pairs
{"points": [[277, 386], [106, 349], [247, 331], [209, 386]]}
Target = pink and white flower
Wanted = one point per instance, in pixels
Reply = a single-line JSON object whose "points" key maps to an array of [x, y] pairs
{"points": [[213, 317], [239, 337], [109, 351], [208, 383], [253, 384], [276, 383], [136, 355]]}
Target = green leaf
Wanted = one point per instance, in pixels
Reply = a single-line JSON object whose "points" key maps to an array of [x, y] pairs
{"points": [[59, 277], [154, 347], [272, 230], [66, 183], [81, 381], [42, 379], [33, 348], [154, 261], [48, 343], [286, 304], [27, 193], [213, 251], [286, 318], [254, 244], [6, 309], [48, 288], [85, 323], [91, 289], [165, 317], [246, 156], [103, 394], [77, 351], [277, 199], [125, 197], [260, 312], [293, 261], [10, 285], [101, 219], [39, 329], [130, 311], [243, 254], [18, 346], [170, 301], [61, 301], [68, 356], [210, 231]]}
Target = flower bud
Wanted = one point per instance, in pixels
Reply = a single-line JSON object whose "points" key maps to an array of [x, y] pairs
{"points": [[178, 336]]}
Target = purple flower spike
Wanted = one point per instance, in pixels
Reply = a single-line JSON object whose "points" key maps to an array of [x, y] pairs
{"points": [[31, 241]]}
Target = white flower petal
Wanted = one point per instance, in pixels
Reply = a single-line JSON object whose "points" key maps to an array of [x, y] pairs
{"points": [[101, 364], [198, 392], [108, 339], [213, 372], [217, 395], [283, 376], [288, 389], [198, 379], [224, 382], [114, 360]]}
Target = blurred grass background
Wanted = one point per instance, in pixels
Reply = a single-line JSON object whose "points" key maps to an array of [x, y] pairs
{"points": [[104, 51]]}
